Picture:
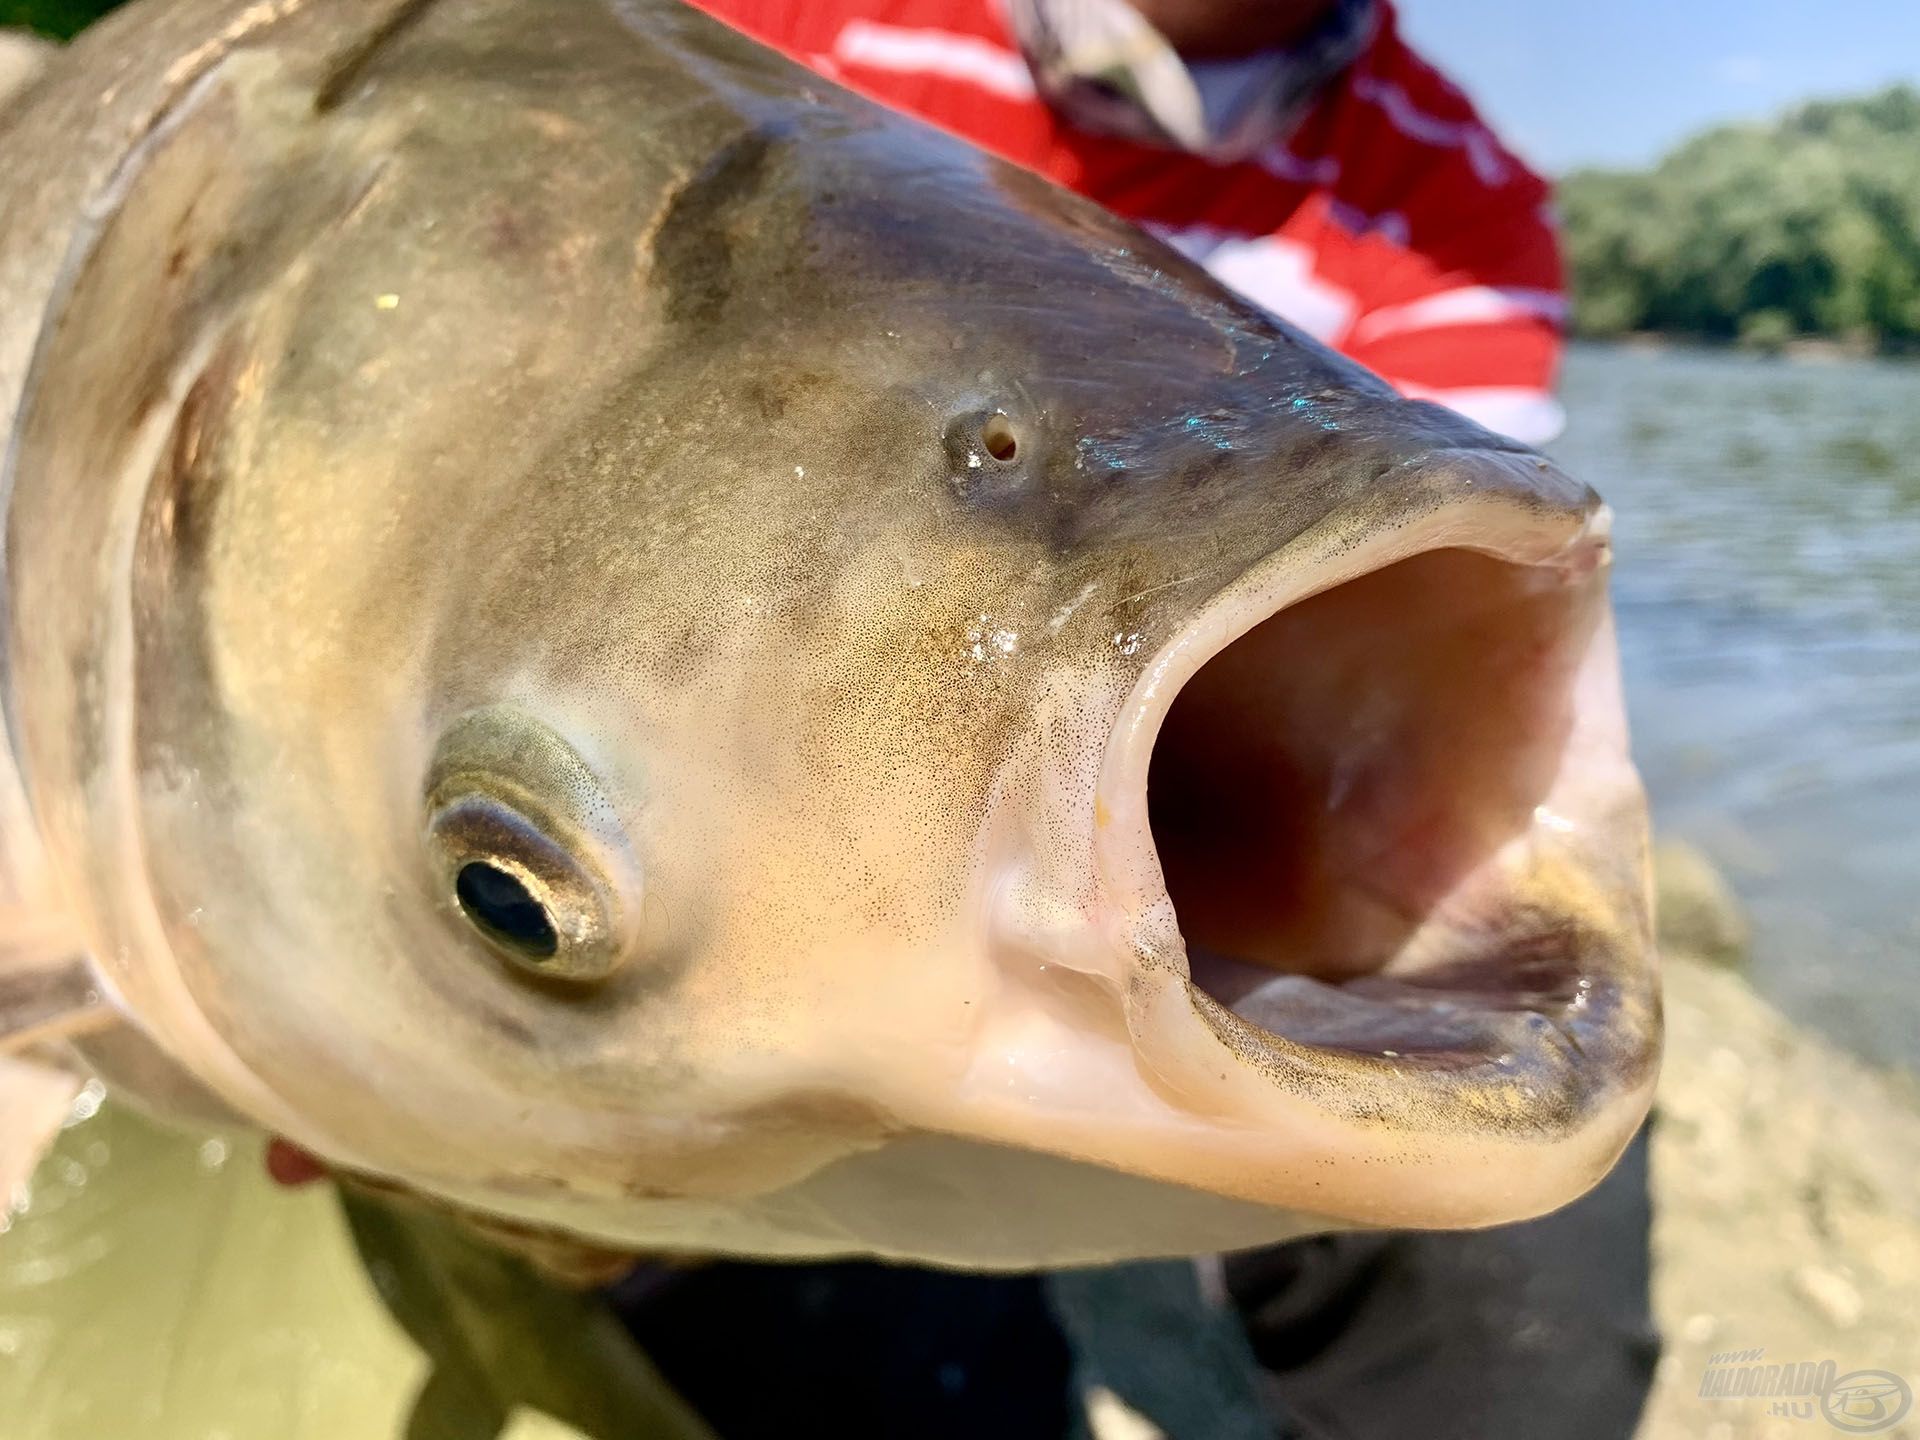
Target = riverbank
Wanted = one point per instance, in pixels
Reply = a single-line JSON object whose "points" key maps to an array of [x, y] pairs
{"points": [[1787, 1217], [1814, 349]]}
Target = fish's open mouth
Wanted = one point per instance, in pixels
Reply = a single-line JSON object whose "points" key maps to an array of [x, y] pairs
{"points": [[1327, 789], [1388, 810]]}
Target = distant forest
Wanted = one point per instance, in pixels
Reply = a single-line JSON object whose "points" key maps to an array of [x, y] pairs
{"points": [[1808, 225]]}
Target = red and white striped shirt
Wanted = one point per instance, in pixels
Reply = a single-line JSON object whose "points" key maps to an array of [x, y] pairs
{"points": [[1391, 224]]}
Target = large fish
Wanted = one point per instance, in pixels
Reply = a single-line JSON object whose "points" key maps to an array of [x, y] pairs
{"points": [[606, 632]]}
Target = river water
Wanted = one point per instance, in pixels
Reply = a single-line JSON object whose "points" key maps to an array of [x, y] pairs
{"points": [[1768, 589]]}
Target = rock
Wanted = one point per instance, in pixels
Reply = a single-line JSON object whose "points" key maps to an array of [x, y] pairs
{"points": [[1696, 910], [1786, 1218], [1831, 1293]]}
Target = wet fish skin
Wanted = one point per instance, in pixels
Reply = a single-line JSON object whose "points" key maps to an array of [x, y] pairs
{"points": [[427, 414]]}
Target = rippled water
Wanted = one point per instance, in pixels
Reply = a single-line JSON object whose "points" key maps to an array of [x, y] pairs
{"points": [[1768, 587]]}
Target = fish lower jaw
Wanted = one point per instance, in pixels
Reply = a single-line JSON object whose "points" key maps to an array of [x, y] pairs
{"points": [[1383, 854]]}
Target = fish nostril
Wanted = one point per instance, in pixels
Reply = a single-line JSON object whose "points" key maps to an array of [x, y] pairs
{"points": [[992, 451], [998, 437], [503, 906]]}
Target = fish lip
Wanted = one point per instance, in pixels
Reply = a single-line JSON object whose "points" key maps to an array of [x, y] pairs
{"points": [[1392, 1139]]}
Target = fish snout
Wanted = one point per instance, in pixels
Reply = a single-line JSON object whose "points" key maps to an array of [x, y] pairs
{"points": [[1371, 856]]}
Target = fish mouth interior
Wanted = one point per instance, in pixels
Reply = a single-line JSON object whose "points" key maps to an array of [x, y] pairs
{"points": [[1347, 799]]}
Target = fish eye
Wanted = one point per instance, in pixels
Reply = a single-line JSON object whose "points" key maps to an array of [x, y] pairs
{"points": [[501, 905], [523, 892], [526, 850]]}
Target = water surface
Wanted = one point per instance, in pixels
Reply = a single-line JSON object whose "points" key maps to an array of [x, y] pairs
{"points": [[1768, 588]]}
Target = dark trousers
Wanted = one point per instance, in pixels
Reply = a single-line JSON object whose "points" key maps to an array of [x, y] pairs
{"points": [[1542, 1328]]}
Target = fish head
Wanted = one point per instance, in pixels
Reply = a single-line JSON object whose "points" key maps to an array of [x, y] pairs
{"points": [[802, 691]]}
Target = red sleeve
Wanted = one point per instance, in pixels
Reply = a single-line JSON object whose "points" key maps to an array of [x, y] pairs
{"points": [[799, 30], [1447, 245]]}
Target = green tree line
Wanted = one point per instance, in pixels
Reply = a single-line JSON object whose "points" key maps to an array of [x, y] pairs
{"points": [[1805, 225]]}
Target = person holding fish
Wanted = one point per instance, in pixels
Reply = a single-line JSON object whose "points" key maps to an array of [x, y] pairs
{"points": [[605, 634]]}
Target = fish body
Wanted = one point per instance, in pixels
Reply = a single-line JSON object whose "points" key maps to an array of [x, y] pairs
{"points": [[604, 631]]}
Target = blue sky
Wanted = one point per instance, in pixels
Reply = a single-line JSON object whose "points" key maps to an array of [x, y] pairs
{"points": [[1616, 82]]}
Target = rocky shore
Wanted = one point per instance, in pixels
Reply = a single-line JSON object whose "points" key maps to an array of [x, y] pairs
{"points": [[1787, 1192]]}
